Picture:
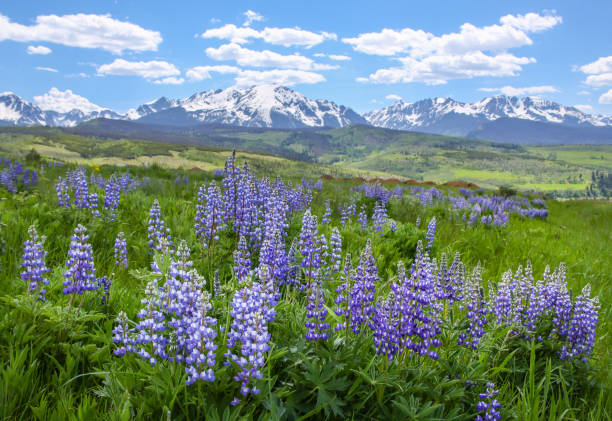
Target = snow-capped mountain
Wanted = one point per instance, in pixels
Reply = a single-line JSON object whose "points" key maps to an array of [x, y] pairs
{"points": [[15, 111], [450, 117], [257, 106], [152, 107]]}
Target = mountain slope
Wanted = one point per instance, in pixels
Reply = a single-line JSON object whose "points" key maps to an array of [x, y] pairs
{"points": [[258, 106], [449, 117]]}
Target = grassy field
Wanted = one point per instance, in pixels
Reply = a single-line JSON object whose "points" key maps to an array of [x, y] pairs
{"points": [[353, 151], [57, 362]]}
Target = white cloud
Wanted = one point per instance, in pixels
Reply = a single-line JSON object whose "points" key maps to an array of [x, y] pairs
{"points": [[584, 93], [599, 75], [46, 69], [64, 101], [394, 97], [146, 69], [606, 98], [39, 49], [170, 81], [584, 108], [85, 31], [286, 37], [336, 57], [204, 72], [471, 52], [599, 66], [527, 90], [286, 77], [266, 58], [278, 77], [598, 81], [531, 22], [251, 16], [438, 69]]}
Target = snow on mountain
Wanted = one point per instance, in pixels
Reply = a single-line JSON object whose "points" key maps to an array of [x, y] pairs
{"points": [[440, 114], [14, 111], [152, 107], [266, 106]]}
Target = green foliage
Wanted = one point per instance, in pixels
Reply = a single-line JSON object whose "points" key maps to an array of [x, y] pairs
{"points": [[57, 363]]}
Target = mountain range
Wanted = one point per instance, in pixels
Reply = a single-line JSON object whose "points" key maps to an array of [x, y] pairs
{"points": [[499, 118]]}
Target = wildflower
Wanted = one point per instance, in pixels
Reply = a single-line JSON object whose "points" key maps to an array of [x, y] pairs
{"points": [[33, 263]]}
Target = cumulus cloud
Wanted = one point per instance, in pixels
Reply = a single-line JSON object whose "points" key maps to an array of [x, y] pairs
{"points": [[599, 75], [85, 31], [472, 52], [394, 97], [286, 77], [64, 101], [46, 69], [250, 17], [146, 69], [170, 81], [38, 49], [286, 37], [584, 108], [527, 90], [438, 69], [266, 58], [606, 98], [204, 72]]}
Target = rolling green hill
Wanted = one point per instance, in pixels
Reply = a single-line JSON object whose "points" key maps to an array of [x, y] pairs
{"points": [[349, 151]]}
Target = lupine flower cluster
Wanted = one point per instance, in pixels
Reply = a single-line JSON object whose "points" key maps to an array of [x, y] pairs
{"points": [[489, 405], [316, 313], [81, 273], [121, 251], [33, 264], [476, 310], [379, 218], [157, 228], [247, 340], [431, 232], [525, 305], [378, 192], [174, 323], [10, 177]]}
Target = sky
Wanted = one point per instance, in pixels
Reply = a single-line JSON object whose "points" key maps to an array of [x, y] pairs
{"points": [[362, 54]]}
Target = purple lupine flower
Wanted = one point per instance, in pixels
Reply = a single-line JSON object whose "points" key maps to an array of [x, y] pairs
{"points": [[363, 218], [326, 218], [81, 274], [385, 326], [200, 347], [61, 188], [316, 313], [342, 300], [579, 333], [344, 215], [450, 280], [209, 216], [431, 233], [122, 335], [242, 261], [418, 307], [150, 341], [217, 284], [488, 404], [33, 263], [157, 228], [104, 284], [477, 310], [111, 196], [249, 334], [309, 247], [121, 250], [379, 218], [361, 297], [336, 250]]}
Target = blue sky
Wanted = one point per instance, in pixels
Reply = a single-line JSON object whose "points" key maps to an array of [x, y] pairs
{"points": [[120, 54]]}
